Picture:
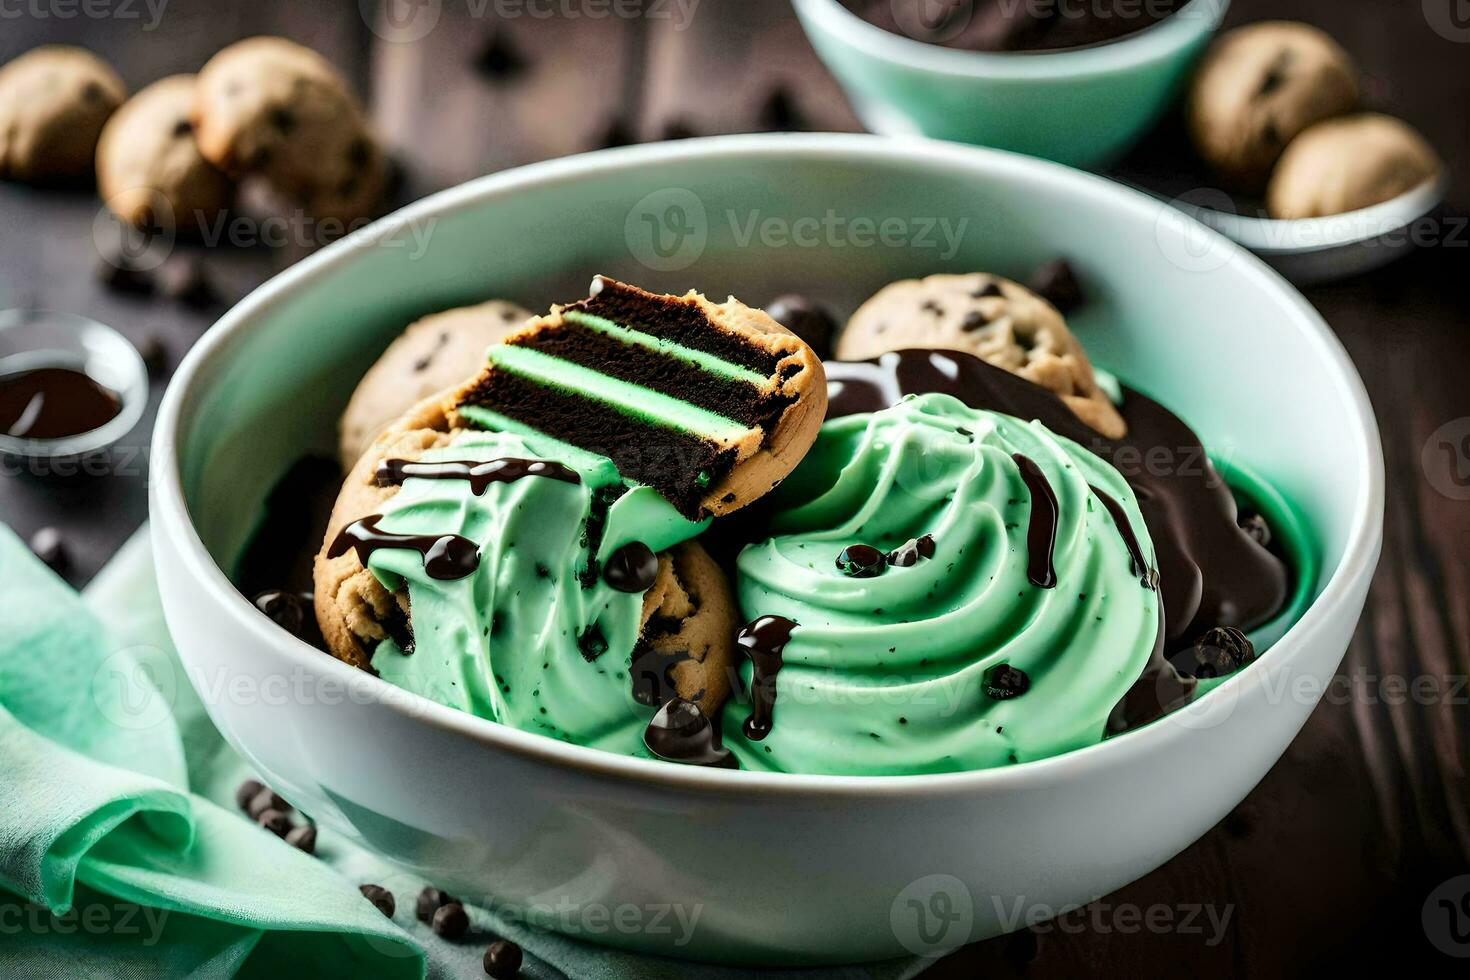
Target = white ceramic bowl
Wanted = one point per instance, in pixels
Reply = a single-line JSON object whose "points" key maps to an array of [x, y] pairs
{"points": [[775, 868]]}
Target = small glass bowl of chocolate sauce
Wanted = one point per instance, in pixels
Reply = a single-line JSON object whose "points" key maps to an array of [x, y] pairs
{"points": [[69, 386]]}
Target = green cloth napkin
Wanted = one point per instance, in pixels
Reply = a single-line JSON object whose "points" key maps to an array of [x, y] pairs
{"points": [[122, 853]]}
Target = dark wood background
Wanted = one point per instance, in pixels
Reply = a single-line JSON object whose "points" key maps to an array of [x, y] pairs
{"points": [[1331, 859]]}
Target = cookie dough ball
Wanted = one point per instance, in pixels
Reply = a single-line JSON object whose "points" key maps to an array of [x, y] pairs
{"points": [[150, 170], [997, 320], [271, 107], [438, 352], [54, 101], [1257, 88], [1345, 164]]}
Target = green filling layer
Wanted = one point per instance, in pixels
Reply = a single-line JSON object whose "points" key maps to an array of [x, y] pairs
{"points": [[648, 406], [666, 348]]}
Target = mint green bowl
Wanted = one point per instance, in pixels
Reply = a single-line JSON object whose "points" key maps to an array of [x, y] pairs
{"points": [[1084, 107]]}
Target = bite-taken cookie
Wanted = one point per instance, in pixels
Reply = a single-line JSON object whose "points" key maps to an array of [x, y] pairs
{"points": [[999, 321], [271, 107], [149, 169], [1257, 88], [1349, 163], [710, 404], [437, 352], [54, 101]]}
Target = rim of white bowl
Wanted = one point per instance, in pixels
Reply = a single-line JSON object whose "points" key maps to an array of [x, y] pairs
{"points": [[1140, 47], [1273, 236], [170, 515]]}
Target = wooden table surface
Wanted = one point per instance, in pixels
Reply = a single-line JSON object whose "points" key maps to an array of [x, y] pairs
{"points": [[1331, 859]]}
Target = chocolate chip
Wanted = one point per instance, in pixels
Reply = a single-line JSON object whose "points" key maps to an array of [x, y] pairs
{"points": [[617, 132], [498, 59], [632, 568], [122, 274], [48, 545], [302, 838], [932, 307], [861, 561], [284, 120], [988, 290], [1220, 651], [1276, 74], [806, 318], [266, 799], [973, 321], [1256, 527], [430, 900], [187, 280], [503, 960], [183, 128], [1056, 283], [779, 111], [1003, 682], [92, 92], [359, 154], [276, 821], [246, 791], [155, 355], [451, 921], [678, 129], [592, 643], [909, 553], [380, 897]]}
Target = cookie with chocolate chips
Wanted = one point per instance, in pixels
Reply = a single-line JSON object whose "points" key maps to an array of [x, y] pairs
{"points": [[149, 169], [995, 319], [1257, 88], [270, 107], [434, 353], [54, 101]]}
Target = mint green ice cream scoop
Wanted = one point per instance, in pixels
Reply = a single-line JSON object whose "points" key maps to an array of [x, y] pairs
{"points": [[1013, 606]]}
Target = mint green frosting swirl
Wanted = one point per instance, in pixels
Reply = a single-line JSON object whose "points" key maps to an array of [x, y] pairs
{"points": [[502, 643], [886, 675]]}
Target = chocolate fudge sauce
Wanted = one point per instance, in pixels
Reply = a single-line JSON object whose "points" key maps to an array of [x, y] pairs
{"points": [[1013, 25], [53, 403], [392, 472], [1041, 529], [763, 641], [446, 556]]}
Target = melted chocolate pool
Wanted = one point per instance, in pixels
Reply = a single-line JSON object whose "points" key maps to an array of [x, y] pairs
{"points": [[53, 403]]}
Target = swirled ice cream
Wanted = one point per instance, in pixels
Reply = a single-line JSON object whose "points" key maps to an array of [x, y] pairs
{"points": [[967, 590]]}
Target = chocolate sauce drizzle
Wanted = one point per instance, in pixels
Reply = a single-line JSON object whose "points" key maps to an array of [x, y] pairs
{"points": [[446, 556], [1146, 576], [763, 640], [1210, 571], [392, 472], [1041, 530], [681, 732], [652, 674]]}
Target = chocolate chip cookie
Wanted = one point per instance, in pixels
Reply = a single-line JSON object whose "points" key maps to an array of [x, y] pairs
{"points": [[1257, 88], [995, 319], [149, 169], [271, 107], [54, 101], [1349, 163], [435, 353]]}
